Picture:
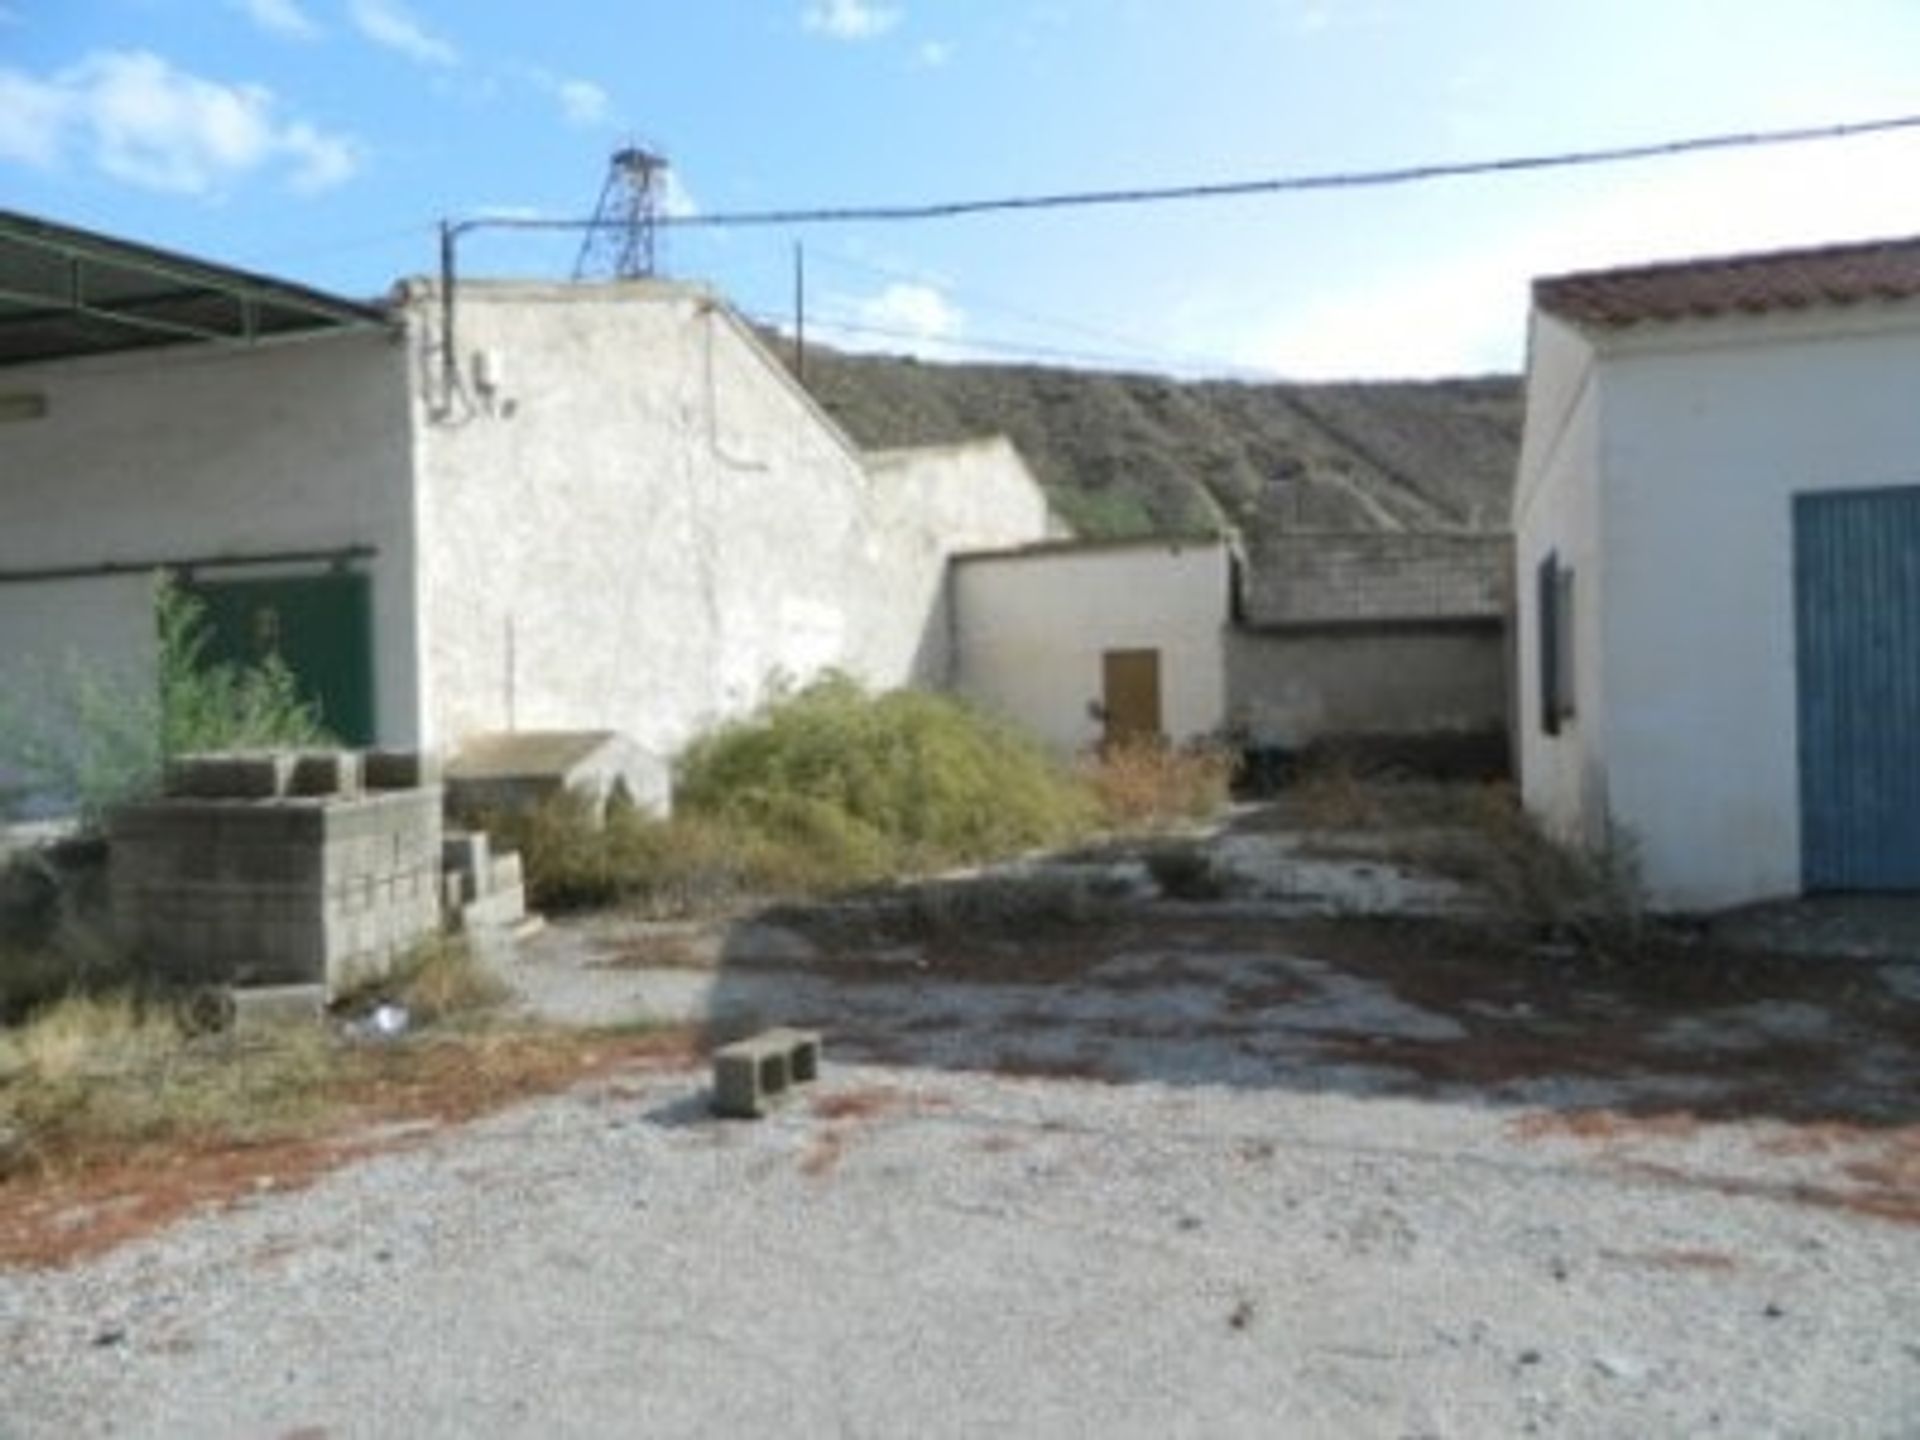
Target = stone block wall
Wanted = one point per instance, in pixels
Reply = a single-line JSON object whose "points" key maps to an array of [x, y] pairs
{"points": [[1375, 576], [277, 869]]}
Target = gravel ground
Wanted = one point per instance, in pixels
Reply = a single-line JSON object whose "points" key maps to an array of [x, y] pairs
{"points": [[915, 1253], [1266, 1189]]}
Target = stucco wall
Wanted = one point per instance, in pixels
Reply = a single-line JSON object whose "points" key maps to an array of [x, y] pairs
{"points": [[1705, 448], [1700, 435], [208, 451], [1031, 630], [1289, 688], [1556, 511], [933, 503], [647, 522]]}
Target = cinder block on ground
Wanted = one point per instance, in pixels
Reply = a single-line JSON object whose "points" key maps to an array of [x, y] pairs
{"points": [[751, 1074]]}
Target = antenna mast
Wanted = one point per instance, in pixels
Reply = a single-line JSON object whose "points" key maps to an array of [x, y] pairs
{"points": [[621, 242]]}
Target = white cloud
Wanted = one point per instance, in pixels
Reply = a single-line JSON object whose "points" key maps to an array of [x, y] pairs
{"points": [[150, 124], [282, 17], [907, 315], [582, 102], [33, 119], [934, 54], [390, 25], [850, 19]]}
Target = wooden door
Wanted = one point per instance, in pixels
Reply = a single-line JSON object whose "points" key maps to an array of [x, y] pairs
{"points": [[1130, 695]]}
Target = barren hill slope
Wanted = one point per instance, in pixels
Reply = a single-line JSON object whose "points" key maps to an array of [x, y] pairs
{"points": [[1125, 454]]}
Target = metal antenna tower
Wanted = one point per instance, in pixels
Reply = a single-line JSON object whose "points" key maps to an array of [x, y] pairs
{"points": [[621, 243]]}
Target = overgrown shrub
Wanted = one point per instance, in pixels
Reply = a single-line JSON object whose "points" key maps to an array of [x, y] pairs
{"points": [[1146, 782], [825, 789], [899, 781], [660, 867]]}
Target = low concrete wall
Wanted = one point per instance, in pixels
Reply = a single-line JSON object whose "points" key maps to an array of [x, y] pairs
{"points": [[256, 886], [1291, 688]]}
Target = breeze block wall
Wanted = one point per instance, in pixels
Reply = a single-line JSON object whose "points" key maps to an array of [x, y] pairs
{"points": [[280, 868]]}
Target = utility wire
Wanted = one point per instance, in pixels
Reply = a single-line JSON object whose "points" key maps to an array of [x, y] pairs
{"points": [[1329, 180]]}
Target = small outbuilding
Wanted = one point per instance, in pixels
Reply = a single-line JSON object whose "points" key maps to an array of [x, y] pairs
{"points": [[1717, 525], [1087, 642]]}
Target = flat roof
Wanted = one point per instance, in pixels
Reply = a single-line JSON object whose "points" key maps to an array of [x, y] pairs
{"points": [[65, 291]]}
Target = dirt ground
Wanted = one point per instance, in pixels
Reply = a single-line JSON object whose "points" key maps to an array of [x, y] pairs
{"points": [[1562, 1189]]}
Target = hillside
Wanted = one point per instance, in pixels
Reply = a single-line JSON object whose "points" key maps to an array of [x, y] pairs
{"points": [[1129, 454]]}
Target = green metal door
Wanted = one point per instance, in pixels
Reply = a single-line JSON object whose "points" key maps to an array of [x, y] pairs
{"points": [[321, 626]]}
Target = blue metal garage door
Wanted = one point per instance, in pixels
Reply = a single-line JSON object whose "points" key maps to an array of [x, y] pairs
{"points": [[1857, 620]]}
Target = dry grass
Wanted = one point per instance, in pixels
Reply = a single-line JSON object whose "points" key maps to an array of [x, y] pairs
{"points": [[443, 980], [1143, 784], [219, 1121]]}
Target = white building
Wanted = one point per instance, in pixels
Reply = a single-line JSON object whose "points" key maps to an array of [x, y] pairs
{"points": [[1717, 525], [511, 507], [1079, 642]]}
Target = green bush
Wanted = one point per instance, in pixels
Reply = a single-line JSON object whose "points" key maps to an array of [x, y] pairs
{"points": [[881, 784], [828, 788]]}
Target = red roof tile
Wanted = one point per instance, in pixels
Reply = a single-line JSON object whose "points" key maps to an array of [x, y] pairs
{"points": [[1737, 284]]}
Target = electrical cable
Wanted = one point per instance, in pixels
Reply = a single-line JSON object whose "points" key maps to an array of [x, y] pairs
{"points": [[1231, 189]]}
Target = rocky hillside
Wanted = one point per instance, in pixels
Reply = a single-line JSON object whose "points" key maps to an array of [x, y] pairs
{"points": [[1137, 454]]}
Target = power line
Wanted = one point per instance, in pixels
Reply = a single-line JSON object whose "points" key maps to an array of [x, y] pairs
{"points": [[1287, 184]]}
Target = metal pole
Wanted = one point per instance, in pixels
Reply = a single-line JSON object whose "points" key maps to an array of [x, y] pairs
{"points": [[449, 364]]}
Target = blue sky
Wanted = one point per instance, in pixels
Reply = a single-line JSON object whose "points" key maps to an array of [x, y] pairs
{"points": [[322, 139]]}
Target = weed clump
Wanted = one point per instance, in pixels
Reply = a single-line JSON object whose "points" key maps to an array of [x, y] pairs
{"points": [[1145, 782]]}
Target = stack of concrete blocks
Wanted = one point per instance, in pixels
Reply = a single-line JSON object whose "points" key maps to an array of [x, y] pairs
{"points": [[482, 890], [276, 868]]}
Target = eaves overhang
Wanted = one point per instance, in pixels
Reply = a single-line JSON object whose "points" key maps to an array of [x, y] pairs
{"points": [[67, 292]]}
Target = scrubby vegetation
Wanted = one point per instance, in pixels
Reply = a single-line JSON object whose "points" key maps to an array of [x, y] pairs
{"points": [[833, 787], [92, 1073], [1144, 783], [827, 788]]}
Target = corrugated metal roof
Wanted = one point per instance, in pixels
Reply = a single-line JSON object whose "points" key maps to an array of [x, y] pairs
{"points": [[1759, 284], [66, 291]]}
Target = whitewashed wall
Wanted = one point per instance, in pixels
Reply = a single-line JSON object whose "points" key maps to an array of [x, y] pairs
{"points": [[1031, 628], [1703, 434], [1556, 511], [647, 522], [204, 450]]}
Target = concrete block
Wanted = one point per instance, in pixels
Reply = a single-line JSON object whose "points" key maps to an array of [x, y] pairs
{"points": [[239, 775], [325, 772], [507, 873], [468, 854], [399, 769], [501, 909], [751, 1074]]}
